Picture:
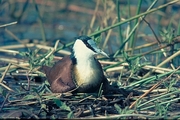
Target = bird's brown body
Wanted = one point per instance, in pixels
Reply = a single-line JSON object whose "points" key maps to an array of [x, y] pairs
{"points": [[64, 76], [80, 72]]}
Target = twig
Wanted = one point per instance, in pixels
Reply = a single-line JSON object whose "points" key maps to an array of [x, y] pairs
{"points": [[159, 43], [163, 62], [15, 37], [121, 67], [8, 24], [30, 45], [126, 115], [152, 88], [108, 35], [4, 74], [85, 98], [5, 100], [50, 53], [94, 16]]}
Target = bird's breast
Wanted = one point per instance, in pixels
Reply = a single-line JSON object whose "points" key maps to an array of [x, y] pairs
{"points": [[88, 76]]}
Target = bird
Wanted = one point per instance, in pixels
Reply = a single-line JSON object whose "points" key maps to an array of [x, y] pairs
{"points": [[80, 71]]}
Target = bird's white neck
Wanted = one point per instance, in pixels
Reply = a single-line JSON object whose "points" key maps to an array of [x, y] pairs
{"points": [[85, 62]]}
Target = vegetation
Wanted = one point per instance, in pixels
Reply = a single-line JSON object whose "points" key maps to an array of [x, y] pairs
{"points": [[141, 38]]}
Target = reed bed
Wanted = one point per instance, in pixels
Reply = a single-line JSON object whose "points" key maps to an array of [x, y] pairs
{"points": [[143, 69]]}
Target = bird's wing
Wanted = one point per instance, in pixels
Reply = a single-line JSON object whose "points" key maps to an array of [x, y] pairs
{"points": [[60, 75]]}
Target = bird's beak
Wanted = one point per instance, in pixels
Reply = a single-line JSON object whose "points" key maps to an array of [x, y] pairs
{"points": [[103, 53], [99, 51]]}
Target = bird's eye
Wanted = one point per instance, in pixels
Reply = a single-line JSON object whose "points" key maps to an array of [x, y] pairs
{"points": [[88, 45]]}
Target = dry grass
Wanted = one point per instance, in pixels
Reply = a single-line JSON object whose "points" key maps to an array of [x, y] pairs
{"points": [[143, 68]]}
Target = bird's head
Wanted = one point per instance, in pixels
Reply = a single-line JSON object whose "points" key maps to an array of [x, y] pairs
{"points": [[86, 46]]}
